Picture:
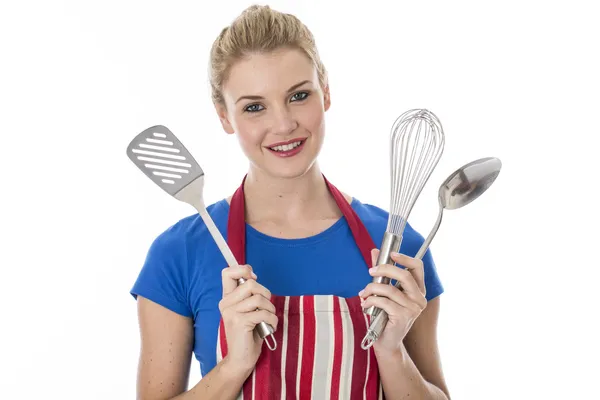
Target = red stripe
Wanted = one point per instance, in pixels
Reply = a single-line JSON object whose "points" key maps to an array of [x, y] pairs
{"points": [[291, 363], [338, 350], [308, 347], [373, 377], [247, 388], [222, 339], [360, 356], [268, 380]]}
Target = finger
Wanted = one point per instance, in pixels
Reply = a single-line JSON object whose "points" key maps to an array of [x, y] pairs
{"points": [[256, 317], [414, 303], [374, 256], [253, 303], [391, 307], [230, 276], [403, 276], [387, 305], [249, 288], [414, 265]]}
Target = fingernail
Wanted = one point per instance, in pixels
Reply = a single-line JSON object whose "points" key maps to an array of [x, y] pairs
{"points": [[254, 276], [361, 293], [395, 254], [373, 270]]}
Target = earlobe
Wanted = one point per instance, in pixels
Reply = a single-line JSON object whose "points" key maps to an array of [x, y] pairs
{"points": [[222, 113]]}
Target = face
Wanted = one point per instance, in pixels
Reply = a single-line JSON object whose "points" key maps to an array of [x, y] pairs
{"points": [[276, 106]]}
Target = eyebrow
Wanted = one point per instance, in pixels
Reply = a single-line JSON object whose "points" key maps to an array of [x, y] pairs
{"points": [[291, 89]]}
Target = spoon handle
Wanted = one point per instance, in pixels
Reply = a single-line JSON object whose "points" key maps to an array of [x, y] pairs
{"points": [[432, 234]]}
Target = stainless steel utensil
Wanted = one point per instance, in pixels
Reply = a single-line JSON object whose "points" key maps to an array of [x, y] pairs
{"points": [[462, 187], [162, 157], [417, 143]]}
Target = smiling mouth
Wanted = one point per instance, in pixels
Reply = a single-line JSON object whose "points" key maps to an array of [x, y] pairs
{"points": [[287, 147]]}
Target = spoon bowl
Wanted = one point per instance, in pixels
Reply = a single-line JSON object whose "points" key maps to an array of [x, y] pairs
{"points": [[462, 187], [469, 182]]}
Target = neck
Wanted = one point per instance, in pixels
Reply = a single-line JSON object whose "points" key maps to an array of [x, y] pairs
{"points": [[275, 199]]}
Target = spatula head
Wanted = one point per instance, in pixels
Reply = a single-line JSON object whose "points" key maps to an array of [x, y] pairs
{"points": [[161, 156]]}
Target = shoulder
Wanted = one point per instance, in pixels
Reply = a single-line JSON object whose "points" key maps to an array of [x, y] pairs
{"points": [[191, 228], [375, 220]]}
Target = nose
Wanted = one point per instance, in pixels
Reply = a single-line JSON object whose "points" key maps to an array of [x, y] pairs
{"points": [[284, 121]]}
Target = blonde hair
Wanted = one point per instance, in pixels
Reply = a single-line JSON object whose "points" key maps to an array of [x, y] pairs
{"points": [[259, 29]]}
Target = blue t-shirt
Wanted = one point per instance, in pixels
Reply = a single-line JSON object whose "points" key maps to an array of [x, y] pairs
{"points": [[182, 270]]}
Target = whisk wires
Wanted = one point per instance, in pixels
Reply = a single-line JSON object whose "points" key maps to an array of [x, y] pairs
{"points": [[417, 143]]}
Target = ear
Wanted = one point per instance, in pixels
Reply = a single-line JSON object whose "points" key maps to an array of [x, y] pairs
{"points": [[224, 118], [326, 97]]}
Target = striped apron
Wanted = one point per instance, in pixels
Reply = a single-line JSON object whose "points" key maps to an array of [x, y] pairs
{"points": [[318, 354]]}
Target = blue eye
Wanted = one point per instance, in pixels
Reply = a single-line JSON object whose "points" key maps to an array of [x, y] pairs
{"points": [[252, 108], [300, 96]]}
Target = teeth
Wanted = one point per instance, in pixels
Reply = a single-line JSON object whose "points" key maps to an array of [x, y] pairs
{"points": [[286, 147]]}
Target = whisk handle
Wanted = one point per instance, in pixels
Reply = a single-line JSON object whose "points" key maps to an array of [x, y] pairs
{"points": [[391, 243]]}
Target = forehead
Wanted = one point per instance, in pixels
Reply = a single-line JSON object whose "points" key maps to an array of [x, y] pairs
{"points": [[275, 72]]}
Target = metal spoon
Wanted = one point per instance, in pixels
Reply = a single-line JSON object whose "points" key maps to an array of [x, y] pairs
{"points": [[462, 187]]}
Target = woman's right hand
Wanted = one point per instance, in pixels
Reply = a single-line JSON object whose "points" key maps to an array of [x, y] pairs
{"points": [[242, 308]]}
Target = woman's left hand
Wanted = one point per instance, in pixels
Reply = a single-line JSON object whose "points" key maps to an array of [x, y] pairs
{"points": [[403, 305]]}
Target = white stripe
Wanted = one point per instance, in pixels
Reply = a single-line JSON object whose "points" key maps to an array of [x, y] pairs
{"points": [[253, 383], [219, 353], [284, 345], [368, 361], [324, 342], [300, 342], [348, 352]]}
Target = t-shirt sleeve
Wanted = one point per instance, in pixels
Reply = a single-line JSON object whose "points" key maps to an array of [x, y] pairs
{"points": [[433, 283], [163, 278]]}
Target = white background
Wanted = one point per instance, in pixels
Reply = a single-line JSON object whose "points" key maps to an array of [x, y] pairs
{"points": [[513, 79]]}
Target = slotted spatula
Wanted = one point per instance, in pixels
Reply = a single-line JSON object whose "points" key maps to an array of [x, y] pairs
{"points": [[163, 158]]}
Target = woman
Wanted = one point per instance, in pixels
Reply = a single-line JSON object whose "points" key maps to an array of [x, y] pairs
{"points": [[305, 248]]}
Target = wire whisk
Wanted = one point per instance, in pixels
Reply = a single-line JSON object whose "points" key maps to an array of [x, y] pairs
{"points": [[416, 146]]}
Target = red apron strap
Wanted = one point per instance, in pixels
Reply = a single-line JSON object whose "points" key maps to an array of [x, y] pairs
{"points": [[236, 225], [363, 239]]}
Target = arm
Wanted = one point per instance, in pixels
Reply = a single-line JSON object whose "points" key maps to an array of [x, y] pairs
{"points": [[414, 371], [165, 355]]}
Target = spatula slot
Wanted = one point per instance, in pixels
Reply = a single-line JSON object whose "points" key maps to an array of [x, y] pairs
{"points": [[154, 160], [153, 153], [166, 175], [157, 141], [160, 148], [160, 167]]}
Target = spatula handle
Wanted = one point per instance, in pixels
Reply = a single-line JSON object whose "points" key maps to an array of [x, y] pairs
{"points": [[263, 329]]}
